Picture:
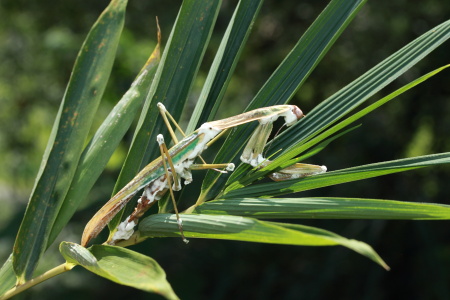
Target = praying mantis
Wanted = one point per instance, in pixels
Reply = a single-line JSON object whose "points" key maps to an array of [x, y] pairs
{"points": [[165, 173]]}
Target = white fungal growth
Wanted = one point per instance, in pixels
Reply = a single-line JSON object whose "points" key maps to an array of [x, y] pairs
{"points": [[182, 169], [161, 106], [124, 231], [139, 79], [151, 193], [254, 162], [209, 132], [290, 117], [297, 174], [160, 139], [158, 185], [268, 120], [230, 167]]}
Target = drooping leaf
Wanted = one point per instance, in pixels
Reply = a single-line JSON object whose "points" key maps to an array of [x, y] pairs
{"points": [[249, 230], [120, 265]]}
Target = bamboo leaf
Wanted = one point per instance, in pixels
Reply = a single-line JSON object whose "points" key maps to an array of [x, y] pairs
{"points": [[287, 79], [284, 160], [357, 246], [84, 91], [173, 80], [355, 93], [99, 150], [243, 175], [338, 177], [325, 208], [120, 265], [7, 276], [249, 230], [224, 63]]}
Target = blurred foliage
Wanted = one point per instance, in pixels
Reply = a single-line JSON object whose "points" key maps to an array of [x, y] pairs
{"points": [[39, 45]]}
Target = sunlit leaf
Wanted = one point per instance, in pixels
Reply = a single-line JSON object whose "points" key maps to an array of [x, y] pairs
{"points": [[325, 208], [249, 230], [287, 79], [173, 80], [105, 141], [77, 111], [120, 265], [338, 177]]}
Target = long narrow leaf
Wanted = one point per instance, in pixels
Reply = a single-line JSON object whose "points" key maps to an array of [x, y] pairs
{"points": [[250, 230], [87, 83], [325, 208], [354, 94], [173, 80], [7, 276], [97, 153], [338, 177], [224, 63], [287, 79], [284, 160]]}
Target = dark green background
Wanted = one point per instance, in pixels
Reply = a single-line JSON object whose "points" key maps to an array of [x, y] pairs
{"points": [[39, 43]]}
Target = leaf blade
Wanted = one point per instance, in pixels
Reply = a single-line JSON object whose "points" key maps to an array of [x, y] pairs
{"points": [[88, 81], [173, 80], [316, 138], [361, 89], [7, 276], [325, 208], [106, 139], [338, 177], [225, 62], [120, 265], [287, 79], [250, 230]]}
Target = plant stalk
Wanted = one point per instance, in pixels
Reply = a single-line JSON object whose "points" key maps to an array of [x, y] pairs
{"points": [[47, 275]]}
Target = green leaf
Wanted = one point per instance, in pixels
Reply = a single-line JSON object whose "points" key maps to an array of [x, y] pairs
{"points": [[120, 265], [249, 230], [173, 80], [287, 79], [243, 176], [84, 91], [325, 208], [360, 90], [105, 141], [224, 63], [284, 160], [7, 276], [338, 177], [357, 246], [78, 255]]}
